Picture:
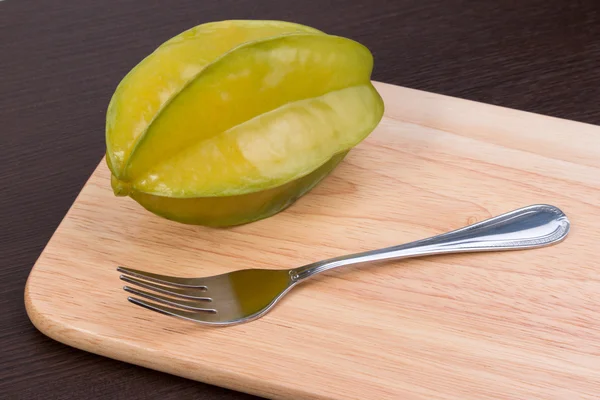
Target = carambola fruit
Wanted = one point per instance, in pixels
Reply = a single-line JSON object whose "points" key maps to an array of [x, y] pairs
{"points": [[231, 122]]}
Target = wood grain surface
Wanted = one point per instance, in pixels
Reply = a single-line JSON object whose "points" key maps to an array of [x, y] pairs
{"points": [[60, 62], [496, 325]]}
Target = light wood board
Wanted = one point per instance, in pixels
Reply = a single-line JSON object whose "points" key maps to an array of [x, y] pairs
{"points": [[506, 325]]}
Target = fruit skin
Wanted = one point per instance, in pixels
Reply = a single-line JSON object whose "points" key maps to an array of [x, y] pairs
{"points": [[237, 203], [222, 212]]}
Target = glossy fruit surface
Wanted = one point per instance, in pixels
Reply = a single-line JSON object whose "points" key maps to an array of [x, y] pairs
{"points": [[230, 122]]}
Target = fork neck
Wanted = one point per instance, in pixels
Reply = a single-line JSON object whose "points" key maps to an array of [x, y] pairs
{"points": [[301, 273]]}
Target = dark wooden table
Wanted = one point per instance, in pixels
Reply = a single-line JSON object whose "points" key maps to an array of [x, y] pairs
{"points": [[61, 60]]}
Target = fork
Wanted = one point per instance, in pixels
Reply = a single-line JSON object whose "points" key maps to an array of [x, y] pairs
{"points": [[247, 294]]}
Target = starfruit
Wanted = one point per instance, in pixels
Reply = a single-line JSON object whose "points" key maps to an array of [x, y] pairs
{"points": [[230, 122]]}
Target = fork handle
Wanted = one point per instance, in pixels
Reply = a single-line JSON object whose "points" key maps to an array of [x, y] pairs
{"points": [[529, 227]]}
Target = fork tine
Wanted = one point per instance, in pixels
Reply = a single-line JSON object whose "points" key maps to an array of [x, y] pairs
{"points": [[199, 317], [191, 293], [188, 305], [164, 279]]}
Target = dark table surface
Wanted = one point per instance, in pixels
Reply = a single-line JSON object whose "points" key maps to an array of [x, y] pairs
{"points": [[61, 60]]}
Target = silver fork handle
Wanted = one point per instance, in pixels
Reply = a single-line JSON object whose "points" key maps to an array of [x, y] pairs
{"points": [[529, 227]]}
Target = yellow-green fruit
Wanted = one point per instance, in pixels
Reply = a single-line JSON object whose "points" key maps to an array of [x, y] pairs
{"points": [[232, 121]]}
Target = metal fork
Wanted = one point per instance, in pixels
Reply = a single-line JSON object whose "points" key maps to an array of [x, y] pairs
{"points": [[244, 295]]}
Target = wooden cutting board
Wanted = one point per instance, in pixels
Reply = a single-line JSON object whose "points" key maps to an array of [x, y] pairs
{"points": [[506, 325]]}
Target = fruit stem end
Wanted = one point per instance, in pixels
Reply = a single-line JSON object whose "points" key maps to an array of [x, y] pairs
{"points": [[119, 187]]}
